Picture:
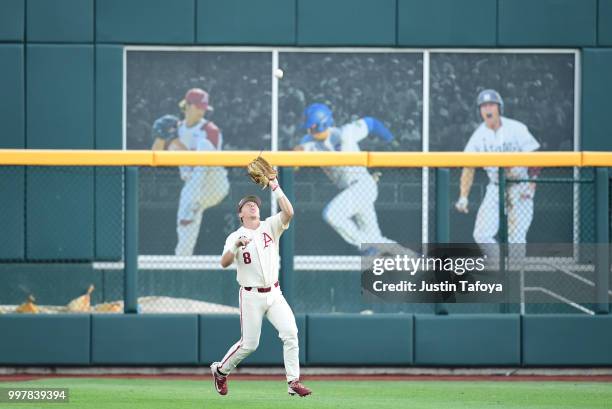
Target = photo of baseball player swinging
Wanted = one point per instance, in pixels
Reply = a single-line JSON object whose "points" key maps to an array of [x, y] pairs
{"points": [[203, 187], [498, 133], [254, 249], [351, 213]]}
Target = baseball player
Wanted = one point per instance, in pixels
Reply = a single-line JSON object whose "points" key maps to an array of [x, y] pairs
{"points": [[500, 134], [204, 187], [351, 213], [254, 249]]}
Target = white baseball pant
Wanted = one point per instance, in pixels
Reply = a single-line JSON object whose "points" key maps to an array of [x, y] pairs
{"points": [[203, 189], [520, 215], [353, 216], [253, 307]]}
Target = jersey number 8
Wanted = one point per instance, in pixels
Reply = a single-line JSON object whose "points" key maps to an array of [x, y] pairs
{"points": [[246, 257]]}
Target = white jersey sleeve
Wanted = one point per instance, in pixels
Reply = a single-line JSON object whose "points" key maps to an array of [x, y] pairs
{"points": [[526, 140], [229, 243], [354, 132], [475, 142], [277, 226]]}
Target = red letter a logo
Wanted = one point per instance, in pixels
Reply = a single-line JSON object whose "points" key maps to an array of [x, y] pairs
{"points": [[267, 240]]}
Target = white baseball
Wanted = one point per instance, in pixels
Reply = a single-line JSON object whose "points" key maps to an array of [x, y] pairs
{"points": [[278, 73]]}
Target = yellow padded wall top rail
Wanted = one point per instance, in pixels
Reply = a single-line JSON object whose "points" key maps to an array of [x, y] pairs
{"points": [[57, 157], [54, 157], [597, 159], [242, 158], [462, 159], [304, 159]]}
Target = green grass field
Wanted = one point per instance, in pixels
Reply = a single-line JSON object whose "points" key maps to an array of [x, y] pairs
{"points": [[95, 393]]}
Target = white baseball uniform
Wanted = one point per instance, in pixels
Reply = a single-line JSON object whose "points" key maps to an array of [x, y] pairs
{"points": [[512, 136], [258, 266], [204, 187], [351, 213]]}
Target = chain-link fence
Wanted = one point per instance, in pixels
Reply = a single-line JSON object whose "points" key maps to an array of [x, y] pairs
{"points": [[538, 214], [64, 235], [338, 209], [556, 208], [185, 215], [61, 247]]}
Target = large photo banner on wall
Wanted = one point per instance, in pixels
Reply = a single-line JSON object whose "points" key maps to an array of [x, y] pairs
{"points": [[508, 102], [195, 101], [536, 88], [348, 101]]}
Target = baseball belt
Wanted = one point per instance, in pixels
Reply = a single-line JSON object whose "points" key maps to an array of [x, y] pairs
{"points": [[261, 289]]}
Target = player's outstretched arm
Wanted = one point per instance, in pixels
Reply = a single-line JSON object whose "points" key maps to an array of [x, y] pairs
{"points": [[285, 205], [467, 179], [377, 128]]}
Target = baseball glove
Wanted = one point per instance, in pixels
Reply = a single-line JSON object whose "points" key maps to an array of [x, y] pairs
{"points": [[261, 172], [165, 127]]}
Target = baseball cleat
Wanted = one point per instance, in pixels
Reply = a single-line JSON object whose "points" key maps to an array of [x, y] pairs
{"points": [[219, 380], [296, 388]]}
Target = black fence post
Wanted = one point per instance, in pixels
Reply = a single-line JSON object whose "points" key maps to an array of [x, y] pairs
{"points": [[287, 241], [503, 234], [602, 233], [130, 251], [442, 217]]}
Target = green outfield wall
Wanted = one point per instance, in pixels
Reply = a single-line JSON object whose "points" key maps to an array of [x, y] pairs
{"points": [[477, 340], [62, 88], [61, 74]]}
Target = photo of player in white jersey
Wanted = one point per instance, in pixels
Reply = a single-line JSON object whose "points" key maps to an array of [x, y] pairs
{"points": [[203, 187], [498, 133], [351, 213]]}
